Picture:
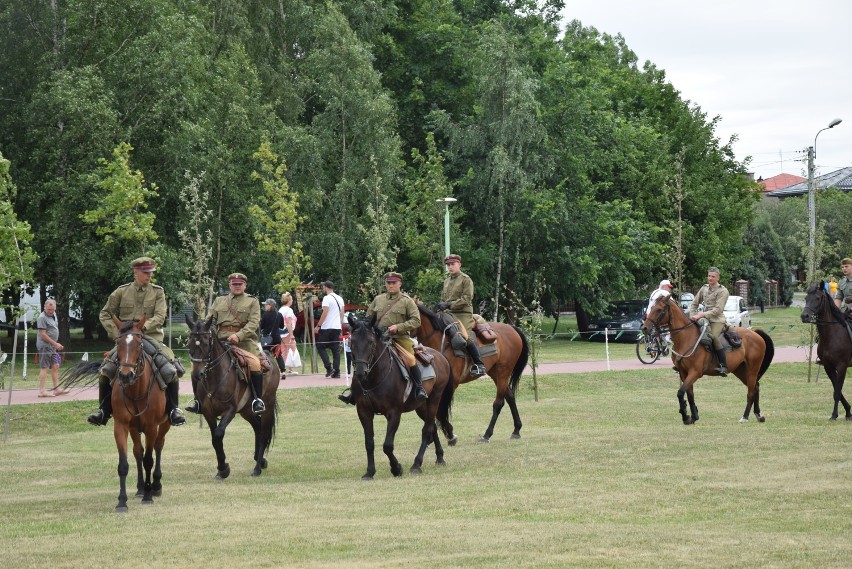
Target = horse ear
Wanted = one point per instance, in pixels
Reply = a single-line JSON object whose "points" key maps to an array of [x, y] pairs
{"points": [[209, 322], [351, 320], [141, 324], [372, 321], [190, 319]]}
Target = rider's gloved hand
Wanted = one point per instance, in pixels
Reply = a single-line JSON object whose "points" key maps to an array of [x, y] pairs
{"points": [[443, 305]]}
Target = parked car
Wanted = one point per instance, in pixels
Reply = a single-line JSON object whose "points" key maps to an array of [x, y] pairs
{"points": [[621, 322], [685, 300], [736, 312]]}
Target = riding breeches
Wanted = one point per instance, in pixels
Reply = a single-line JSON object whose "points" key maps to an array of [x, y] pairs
{"points": [[716, 331]]}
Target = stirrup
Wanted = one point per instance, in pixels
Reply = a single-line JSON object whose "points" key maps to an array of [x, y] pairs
{"points": [[193, 407], [98, 418], [258, 407], [477, 370], [421, 395], [176, 418], [723, 371]]}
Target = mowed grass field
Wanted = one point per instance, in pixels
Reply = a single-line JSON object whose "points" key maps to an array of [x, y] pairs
{"points": [[605, 475]]}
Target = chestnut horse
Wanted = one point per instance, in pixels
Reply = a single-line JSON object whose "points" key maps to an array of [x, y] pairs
{"points": [[379, 388], [505, 367], [834, 347], [223, 394], [748, 362]]}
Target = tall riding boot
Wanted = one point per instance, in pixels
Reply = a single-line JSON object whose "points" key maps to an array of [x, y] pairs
{"points": [[176, 417], [104, 412], [478, 368], [723, 362], [194, 405], [256, 382], [419, 393]]}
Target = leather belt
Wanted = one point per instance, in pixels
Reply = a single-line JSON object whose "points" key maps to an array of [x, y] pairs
{"points": [[230, 328]]}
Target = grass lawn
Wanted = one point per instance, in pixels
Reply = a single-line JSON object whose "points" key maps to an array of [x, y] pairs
{"points": [[605, 475]]}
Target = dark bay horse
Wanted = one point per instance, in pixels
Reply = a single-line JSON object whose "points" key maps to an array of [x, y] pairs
{"points": [[505, 368], [223, 395], [834, 347], [138, 407], [379, 388], [749, 362]]}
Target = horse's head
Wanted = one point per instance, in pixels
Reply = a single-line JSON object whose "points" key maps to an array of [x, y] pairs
{"points": [[815, 303], [128, 349], [659, 315], [201, 338], [366, 343]]}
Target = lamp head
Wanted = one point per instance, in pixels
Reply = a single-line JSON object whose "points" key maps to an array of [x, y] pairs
{"points": [[834, 123]]}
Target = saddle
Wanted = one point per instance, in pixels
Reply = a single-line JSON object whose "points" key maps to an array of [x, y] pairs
{"points": [[729, 337], [484, 332], [240, 354]]}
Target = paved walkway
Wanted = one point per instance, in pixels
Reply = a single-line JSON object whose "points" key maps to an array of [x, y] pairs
{"points": [[25, 396]]}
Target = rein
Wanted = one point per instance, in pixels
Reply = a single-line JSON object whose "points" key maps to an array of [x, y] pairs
{"points": [[673, 331], [370, 364], [210, 363]]}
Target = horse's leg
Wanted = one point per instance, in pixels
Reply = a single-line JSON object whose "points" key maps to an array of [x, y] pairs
{"points": [[496, 407], [138, 449], [217, 436], [834, 374], [439, 449], [366, 418], [157, 485], [516, 417], [838, 395], [682, 394], [120, 434], [258, 445], [427, 434], [148, 462], [393, 418], [693, 408]]}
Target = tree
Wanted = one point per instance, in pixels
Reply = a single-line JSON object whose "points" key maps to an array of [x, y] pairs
{"points": [[16, 255]]}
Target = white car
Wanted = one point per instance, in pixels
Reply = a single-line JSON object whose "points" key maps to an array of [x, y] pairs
{"points": [[736, 312]]}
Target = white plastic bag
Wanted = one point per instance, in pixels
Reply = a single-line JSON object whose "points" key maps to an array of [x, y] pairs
{"points": [[293, 360]]}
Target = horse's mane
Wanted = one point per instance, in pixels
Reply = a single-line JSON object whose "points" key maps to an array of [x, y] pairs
{"points": [[435, 319], [126, 326]]}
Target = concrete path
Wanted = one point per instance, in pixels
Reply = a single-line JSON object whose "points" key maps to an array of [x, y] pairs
{"points": [[26, 396]]}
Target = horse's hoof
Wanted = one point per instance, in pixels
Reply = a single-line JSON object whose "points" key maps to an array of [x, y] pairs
{"points": [[121, 509], [157, 493], [441, 462], [849, 417], [140, 493], [415, 470], [224, 473], [833, 418], [256, 472], [263, 463], [452, 442], [147, 501], [515, 436], [484, 439], [688, 421], [367, 477], [743, 420], [761, 419]]}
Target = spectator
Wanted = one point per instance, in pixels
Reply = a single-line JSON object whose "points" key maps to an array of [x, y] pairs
{"points": [[271, 323], [288, 338], [329, 329], [47, 343]]}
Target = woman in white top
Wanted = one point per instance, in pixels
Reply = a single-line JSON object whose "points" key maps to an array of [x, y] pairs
{"points": [[288, 340]]}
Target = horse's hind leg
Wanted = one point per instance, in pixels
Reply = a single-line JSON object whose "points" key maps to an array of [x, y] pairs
{"points": [[693, 408], [682, 394], [516, 417], [427, 435], [259, 461], [157, 485], [439, 450], [217, 437], [495, 412]]}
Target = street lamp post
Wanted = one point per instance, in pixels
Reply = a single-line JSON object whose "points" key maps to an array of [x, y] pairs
{"points": [[812, 202], [446, 202]]}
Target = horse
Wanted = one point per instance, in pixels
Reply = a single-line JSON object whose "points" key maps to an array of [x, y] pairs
{"points": [[505, 367], [379, 388], [137, 407], [834, 347], [692, 361], [222, 394]]}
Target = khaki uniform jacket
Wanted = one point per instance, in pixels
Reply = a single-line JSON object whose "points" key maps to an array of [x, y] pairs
{"points": [[458, 289], [396, 309], [714, 300], [241, 311], [844, 293], [131, 302]]}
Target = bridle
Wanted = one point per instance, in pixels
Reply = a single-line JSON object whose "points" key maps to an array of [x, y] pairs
{"points": [[666, 311], [135, 367], [813, 314], [208, 360], [369, 363]]}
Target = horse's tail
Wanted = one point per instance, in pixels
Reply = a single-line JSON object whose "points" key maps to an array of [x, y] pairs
{"points": [[521, 364], [768, 354], [84, 373], [446, 404]]}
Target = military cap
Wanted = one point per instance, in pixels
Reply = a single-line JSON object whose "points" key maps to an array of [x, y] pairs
{"points": [[393, 277], [452, 259], [144, 264], [846, 261], [237, 278]]}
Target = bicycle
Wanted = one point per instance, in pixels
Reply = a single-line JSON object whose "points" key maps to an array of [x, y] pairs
{"points": [[650, 347]]}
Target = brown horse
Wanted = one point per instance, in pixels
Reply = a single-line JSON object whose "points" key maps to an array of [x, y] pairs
{"points": [[692, 360], [223, 395], [379, 388], [834, 347], [505, 367]]}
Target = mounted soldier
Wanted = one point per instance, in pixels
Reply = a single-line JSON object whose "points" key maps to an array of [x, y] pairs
{"points": [[713, 296], [457, 300], [843, 296]]}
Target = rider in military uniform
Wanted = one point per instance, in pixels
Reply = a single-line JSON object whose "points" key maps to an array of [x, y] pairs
{"points": [[457, 298], [713, 296], [397, 312], [237, 317], [843, 296], [130, 302]]}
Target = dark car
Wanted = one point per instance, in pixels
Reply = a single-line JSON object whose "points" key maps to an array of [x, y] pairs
{"points": [[621, 322]]}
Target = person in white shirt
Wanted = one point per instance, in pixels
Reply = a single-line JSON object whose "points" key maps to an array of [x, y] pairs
{"points": [[329, 329], [665, 289], [288, 339]]}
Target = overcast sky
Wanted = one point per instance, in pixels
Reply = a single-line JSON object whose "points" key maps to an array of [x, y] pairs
{"points": [[776, 72]]}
